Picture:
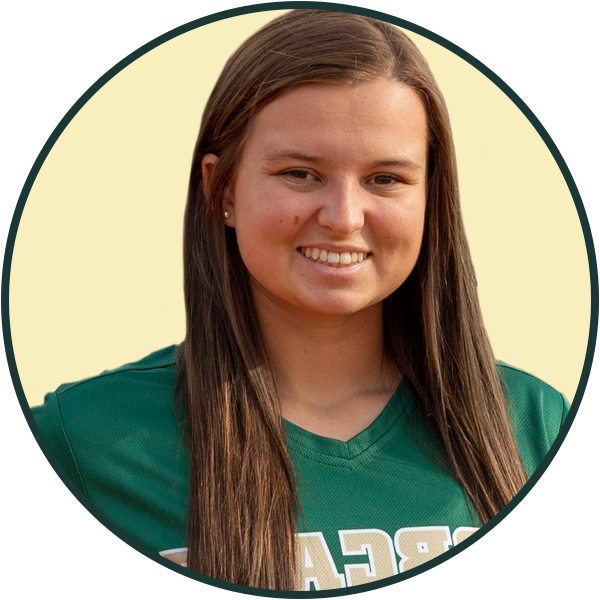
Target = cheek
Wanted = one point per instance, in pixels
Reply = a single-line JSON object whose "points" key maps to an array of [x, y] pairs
{"points": [[417, 227], [267, 223], [404, 231], [273, 216], [403, 239]]}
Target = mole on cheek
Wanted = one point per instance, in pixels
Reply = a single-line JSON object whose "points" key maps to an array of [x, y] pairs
{"points": [[296, 219]]}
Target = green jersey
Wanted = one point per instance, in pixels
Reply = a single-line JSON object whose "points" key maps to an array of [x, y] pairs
{"points": [[372, 507]]}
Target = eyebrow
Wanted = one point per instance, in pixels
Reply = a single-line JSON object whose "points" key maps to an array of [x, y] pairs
{"points": [[402, 162]]}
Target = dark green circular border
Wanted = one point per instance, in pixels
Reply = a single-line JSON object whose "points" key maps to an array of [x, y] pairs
{"points": [[319, 6]]}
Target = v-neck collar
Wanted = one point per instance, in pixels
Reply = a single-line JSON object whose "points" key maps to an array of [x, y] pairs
{"points": [[363, 444]]}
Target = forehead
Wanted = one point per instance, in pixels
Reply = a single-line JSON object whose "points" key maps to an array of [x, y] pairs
{"points": [[372, 117]]}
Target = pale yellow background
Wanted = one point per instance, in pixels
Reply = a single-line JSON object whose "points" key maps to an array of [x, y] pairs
{"points": [[97, 280]]}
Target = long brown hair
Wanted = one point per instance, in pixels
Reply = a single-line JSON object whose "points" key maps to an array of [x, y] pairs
{"points": [[243, 504]]}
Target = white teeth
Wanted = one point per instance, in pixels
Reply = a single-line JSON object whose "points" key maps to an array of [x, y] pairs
{"points": [[333, 258]]}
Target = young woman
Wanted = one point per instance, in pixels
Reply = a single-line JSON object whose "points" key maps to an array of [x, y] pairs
{"points": [[339, 417]]}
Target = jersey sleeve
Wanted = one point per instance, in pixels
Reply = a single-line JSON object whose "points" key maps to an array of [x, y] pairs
{"points": [[565, 410], [552, 413], [537, 412], [49, 421]]}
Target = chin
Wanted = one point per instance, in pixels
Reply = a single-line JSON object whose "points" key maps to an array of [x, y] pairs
{"points": [[340, 307]]}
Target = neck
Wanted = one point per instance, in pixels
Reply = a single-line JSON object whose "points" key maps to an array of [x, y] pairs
{"points": [[331, 373]]}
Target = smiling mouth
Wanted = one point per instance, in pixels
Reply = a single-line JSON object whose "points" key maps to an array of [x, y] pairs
{"points": [[334, 259]]}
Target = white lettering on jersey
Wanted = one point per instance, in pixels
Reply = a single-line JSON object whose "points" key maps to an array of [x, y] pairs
{"points": [[462, 533], [414, 545], [378, 547], [176, 555], [316, 564]]}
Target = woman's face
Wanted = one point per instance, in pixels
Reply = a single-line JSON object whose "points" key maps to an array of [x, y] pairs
{"points": [[329, 199]]}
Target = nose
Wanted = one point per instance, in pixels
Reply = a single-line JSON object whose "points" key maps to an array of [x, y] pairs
{"points": [[343, 209]]}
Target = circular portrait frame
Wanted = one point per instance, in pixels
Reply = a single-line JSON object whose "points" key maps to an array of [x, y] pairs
{"points": [[59, 271]]}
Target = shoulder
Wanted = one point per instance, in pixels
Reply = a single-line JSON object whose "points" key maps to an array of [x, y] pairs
{"points": [[113, 393], [119, 412], [537, 412], [159, 365]]}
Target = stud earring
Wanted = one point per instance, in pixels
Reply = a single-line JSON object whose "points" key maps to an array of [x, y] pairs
{"points": [[226, 214]]}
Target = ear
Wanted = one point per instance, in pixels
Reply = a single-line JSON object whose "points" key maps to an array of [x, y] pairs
{"points": [[209, 162]]}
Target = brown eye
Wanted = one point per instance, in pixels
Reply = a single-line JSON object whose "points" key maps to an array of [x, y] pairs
{"points": [[299, 175], [385, 180]]}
